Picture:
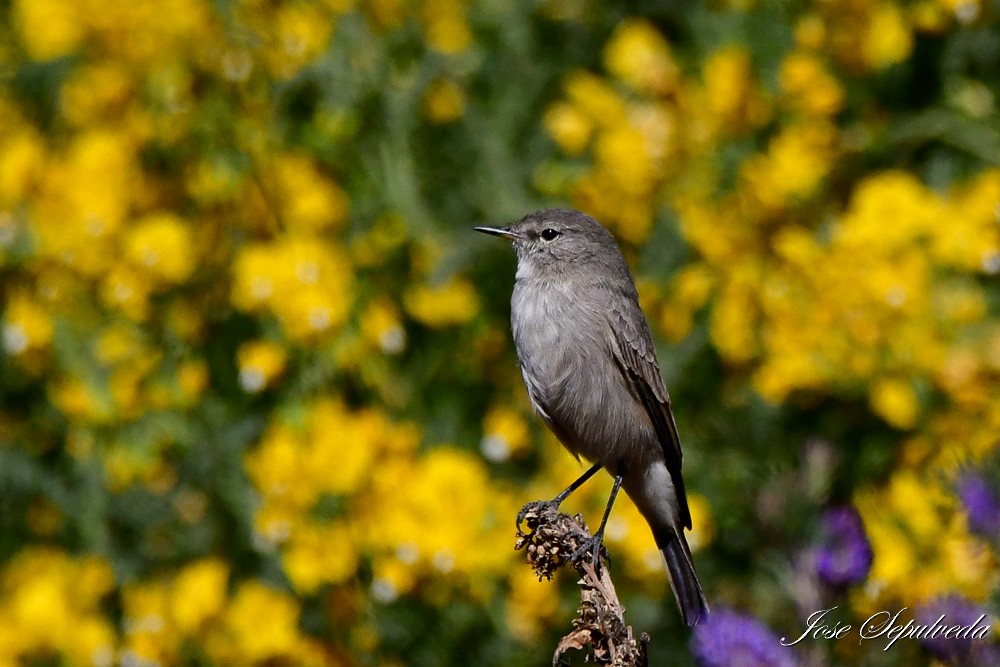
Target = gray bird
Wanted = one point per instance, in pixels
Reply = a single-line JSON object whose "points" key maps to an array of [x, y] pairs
{"points": [[590, 368]]}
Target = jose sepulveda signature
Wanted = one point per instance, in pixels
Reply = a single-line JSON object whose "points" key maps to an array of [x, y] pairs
{"points": [[890, 627]]}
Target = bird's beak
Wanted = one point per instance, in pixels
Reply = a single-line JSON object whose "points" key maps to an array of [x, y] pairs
{"points": [[504, 232]]}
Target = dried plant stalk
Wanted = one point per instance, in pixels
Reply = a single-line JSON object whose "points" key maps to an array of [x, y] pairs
{"points": [[554, 539]]}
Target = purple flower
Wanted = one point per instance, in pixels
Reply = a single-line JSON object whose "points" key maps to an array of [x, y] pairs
{"points": [[982, 506], [730, 639], [956, 610], [845, 554]]}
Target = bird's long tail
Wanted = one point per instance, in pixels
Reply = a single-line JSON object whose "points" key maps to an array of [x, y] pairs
{"points": [[683, 580]]}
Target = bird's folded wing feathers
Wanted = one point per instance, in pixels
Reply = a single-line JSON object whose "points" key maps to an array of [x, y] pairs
{"points": [[633, 350]]}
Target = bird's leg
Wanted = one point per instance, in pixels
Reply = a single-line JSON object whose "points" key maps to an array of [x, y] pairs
{"points": [[557, 501], [598, 540], [576, 485]]}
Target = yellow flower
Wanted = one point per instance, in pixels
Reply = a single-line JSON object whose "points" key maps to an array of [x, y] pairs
{"points": [[260, 625], [96, 92], [446, 28], [450, 489], [444, 101], [333, 466], [887, 38], [259, 362], [894, 400], [392, 576], [304, 282], [22, 158], [78, 400], [26, 325], [731, 103], [148, 631], [192, 379], [531, 604], [810, 32], [808, 85], [309, 201], [639, 55], [295, 34], [83, 200], [505, 433], [318, 554], [382, 327], [703, 525], [621, 151], [50, 28], [453, 302], [595, 98], [126, 290], [689, 291], [160, 245], [570, 128], [52, 605], [197, 594], [797, 160]]}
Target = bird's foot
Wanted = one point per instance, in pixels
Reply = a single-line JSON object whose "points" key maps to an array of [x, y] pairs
{"points": [[595, 547], [531, 513]]}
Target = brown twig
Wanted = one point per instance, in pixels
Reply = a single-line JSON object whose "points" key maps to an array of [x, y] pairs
{"points": [[554, 539]]}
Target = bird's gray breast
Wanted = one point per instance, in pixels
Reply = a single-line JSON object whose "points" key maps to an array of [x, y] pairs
{"points": [[562, 339]]}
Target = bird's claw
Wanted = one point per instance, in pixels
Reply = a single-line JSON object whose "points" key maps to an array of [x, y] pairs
{"points": [[535, 509], [594, 545]]}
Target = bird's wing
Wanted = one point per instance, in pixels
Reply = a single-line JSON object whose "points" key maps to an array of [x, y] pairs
{"points": [[633, 350]]}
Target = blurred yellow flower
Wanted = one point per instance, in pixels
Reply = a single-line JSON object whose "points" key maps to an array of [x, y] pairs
{"points": [[96, 92], [450, 491], [78, 400], [621, 150], [50, 28], [894, 400], [444, 101], [192, 378], [639, 55], [505, 433], [83, 201], [319, 553], [797, 160], [51, 603], [531, 605], [887, 39], [730, 101], [808, 85], [259, 363], [22, 157], [445, 25], [160, 245], [309, 201], [294, 34], [303, 281], [703, 531], [570, 128], [447, 304], [382, 326], [595, 98], [810, 32], [197, 594], [393, 575], [260, 625], [689, 291], [26, 325], [125, 289]]}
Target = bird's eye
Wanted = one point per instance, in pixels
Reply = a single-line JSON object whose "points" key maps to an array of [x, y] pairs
{"points": [[548, 234]]}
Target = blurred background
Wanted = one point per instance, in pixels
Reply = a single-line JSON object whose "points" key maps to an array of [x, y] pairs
{"points": [[260, 404]]}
